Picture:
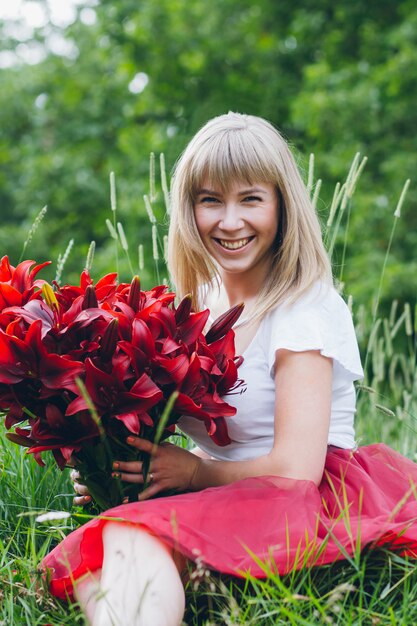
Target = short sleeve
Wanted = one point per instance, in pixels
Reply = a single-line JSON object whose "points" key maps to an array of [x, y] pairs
{"points": [[319, 320]]}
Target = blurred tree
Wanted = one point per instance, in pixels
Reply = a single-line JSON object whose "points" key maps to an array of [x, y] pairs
{"points": [[359, 94], [334, 77]]}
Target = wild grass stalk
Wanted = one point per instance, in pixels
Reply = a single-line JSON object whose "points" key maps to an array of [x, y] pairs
{"points": [[62, 259], [90, 256], [116, 229], [36, 223], [113, 206], [397, 215], [125, 246], [141, 258], [164, 184], [152, 187], [341, 201]]}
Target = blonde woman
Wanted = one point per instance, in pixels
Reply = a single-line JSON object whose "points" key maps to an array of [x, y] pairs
{"points": [[290, 487]]}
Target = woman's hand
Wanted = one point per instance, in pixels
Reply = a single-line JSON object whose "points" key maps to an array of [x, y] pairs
{"points": [[171, 467], [83, 496]]}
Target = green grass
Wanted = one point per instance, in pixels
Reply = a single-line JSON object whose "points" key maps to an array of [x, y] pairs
{"points": [[25, 489], [375, 588]]}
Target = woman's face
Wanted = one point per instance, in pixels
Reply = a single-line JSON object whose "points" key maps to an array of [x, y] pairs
{"points": [[239, 226]]}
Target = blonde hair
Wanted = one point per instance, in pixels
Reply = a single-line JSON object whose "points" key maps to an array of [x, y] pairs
{"points": [[236, 147]]}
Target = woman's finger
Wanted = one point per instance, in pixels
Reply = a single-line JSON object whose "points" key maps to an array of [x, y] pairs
{"points": [[133, 467], [82, 490], [142, 444], [129, 478], [153, 489], [81, 500], [75, 475]]}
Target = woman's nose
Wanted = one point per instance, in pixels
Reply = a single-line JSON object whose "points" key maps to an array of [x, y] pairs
{"points": [[231, 219]]}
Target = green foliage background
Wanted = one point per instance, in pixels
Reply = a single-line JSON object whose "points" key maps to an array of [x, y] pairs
{"points": [[335, 77]]}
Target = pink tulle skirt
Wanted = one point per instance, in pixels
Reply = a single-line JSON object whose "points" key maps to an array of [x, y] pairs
{"points": [[367, 497]]}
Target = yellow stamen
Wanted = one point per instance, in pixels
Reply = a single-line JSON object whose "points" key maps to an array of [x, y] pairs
{"points": [[49, 296]]}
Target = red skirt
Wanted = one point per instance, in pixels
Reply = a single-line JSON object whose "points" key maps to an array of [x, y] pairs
{"points": [[367, 497]]}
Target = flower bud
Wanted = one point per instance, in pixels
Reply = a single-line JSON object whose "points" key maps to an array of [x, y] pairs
{"points": [[134, 294], [224, 323], [109, 340], [90, 298], [183, 310]]}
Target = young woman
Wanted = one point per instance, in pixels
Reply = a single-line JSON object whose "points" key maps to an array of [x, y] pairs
{"points": [[291, 487]]}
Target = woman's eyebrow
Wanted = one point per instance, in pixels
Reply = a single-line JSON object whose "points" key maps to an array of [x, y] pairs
{"points": [[208, 192], [245, 192]]}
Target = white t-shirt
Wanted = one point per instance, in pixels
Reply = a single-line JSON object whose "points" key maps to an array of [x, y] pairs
{"points": [[318, 320]]}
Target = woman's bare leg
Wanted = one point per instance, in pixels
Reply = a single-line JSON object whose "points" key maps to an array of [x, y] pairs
{"points": [[87, 590], [139, 585]]}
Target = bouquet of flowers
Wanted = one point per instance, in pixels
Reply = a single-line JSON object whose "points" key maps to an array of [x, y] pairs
{"points": [[83, 367]]}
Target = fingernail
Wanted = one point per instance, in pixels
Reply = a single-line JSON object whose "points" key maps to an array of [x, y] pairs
{"points": [[125, 500], [116, 475], [87, 498], [130, 439], [116, 465]]}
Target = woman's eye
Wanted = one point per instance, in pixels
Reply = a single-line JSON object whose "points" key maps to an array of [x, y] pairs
{"points": [[209, 199], [252, 199]]}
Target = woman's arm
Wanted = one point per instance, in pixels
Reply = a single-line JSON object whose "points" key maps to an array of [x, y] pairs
{"points": [[302, 416], [200, 453]]}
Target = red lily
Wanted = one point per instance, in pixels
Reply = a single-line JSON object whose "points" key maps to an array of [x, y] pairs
{"points": [[105, 289], [58, 434], [28, 358], [111, 397], [17, 285]]}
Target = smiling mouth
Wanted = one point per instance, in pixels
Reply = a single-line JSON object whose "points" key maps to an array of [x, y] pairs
{"points": [[234, 245]]}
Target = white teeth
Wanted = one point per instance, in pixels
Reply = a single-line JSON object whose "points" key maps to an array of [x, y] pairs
{"points": [[234, 245]]}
